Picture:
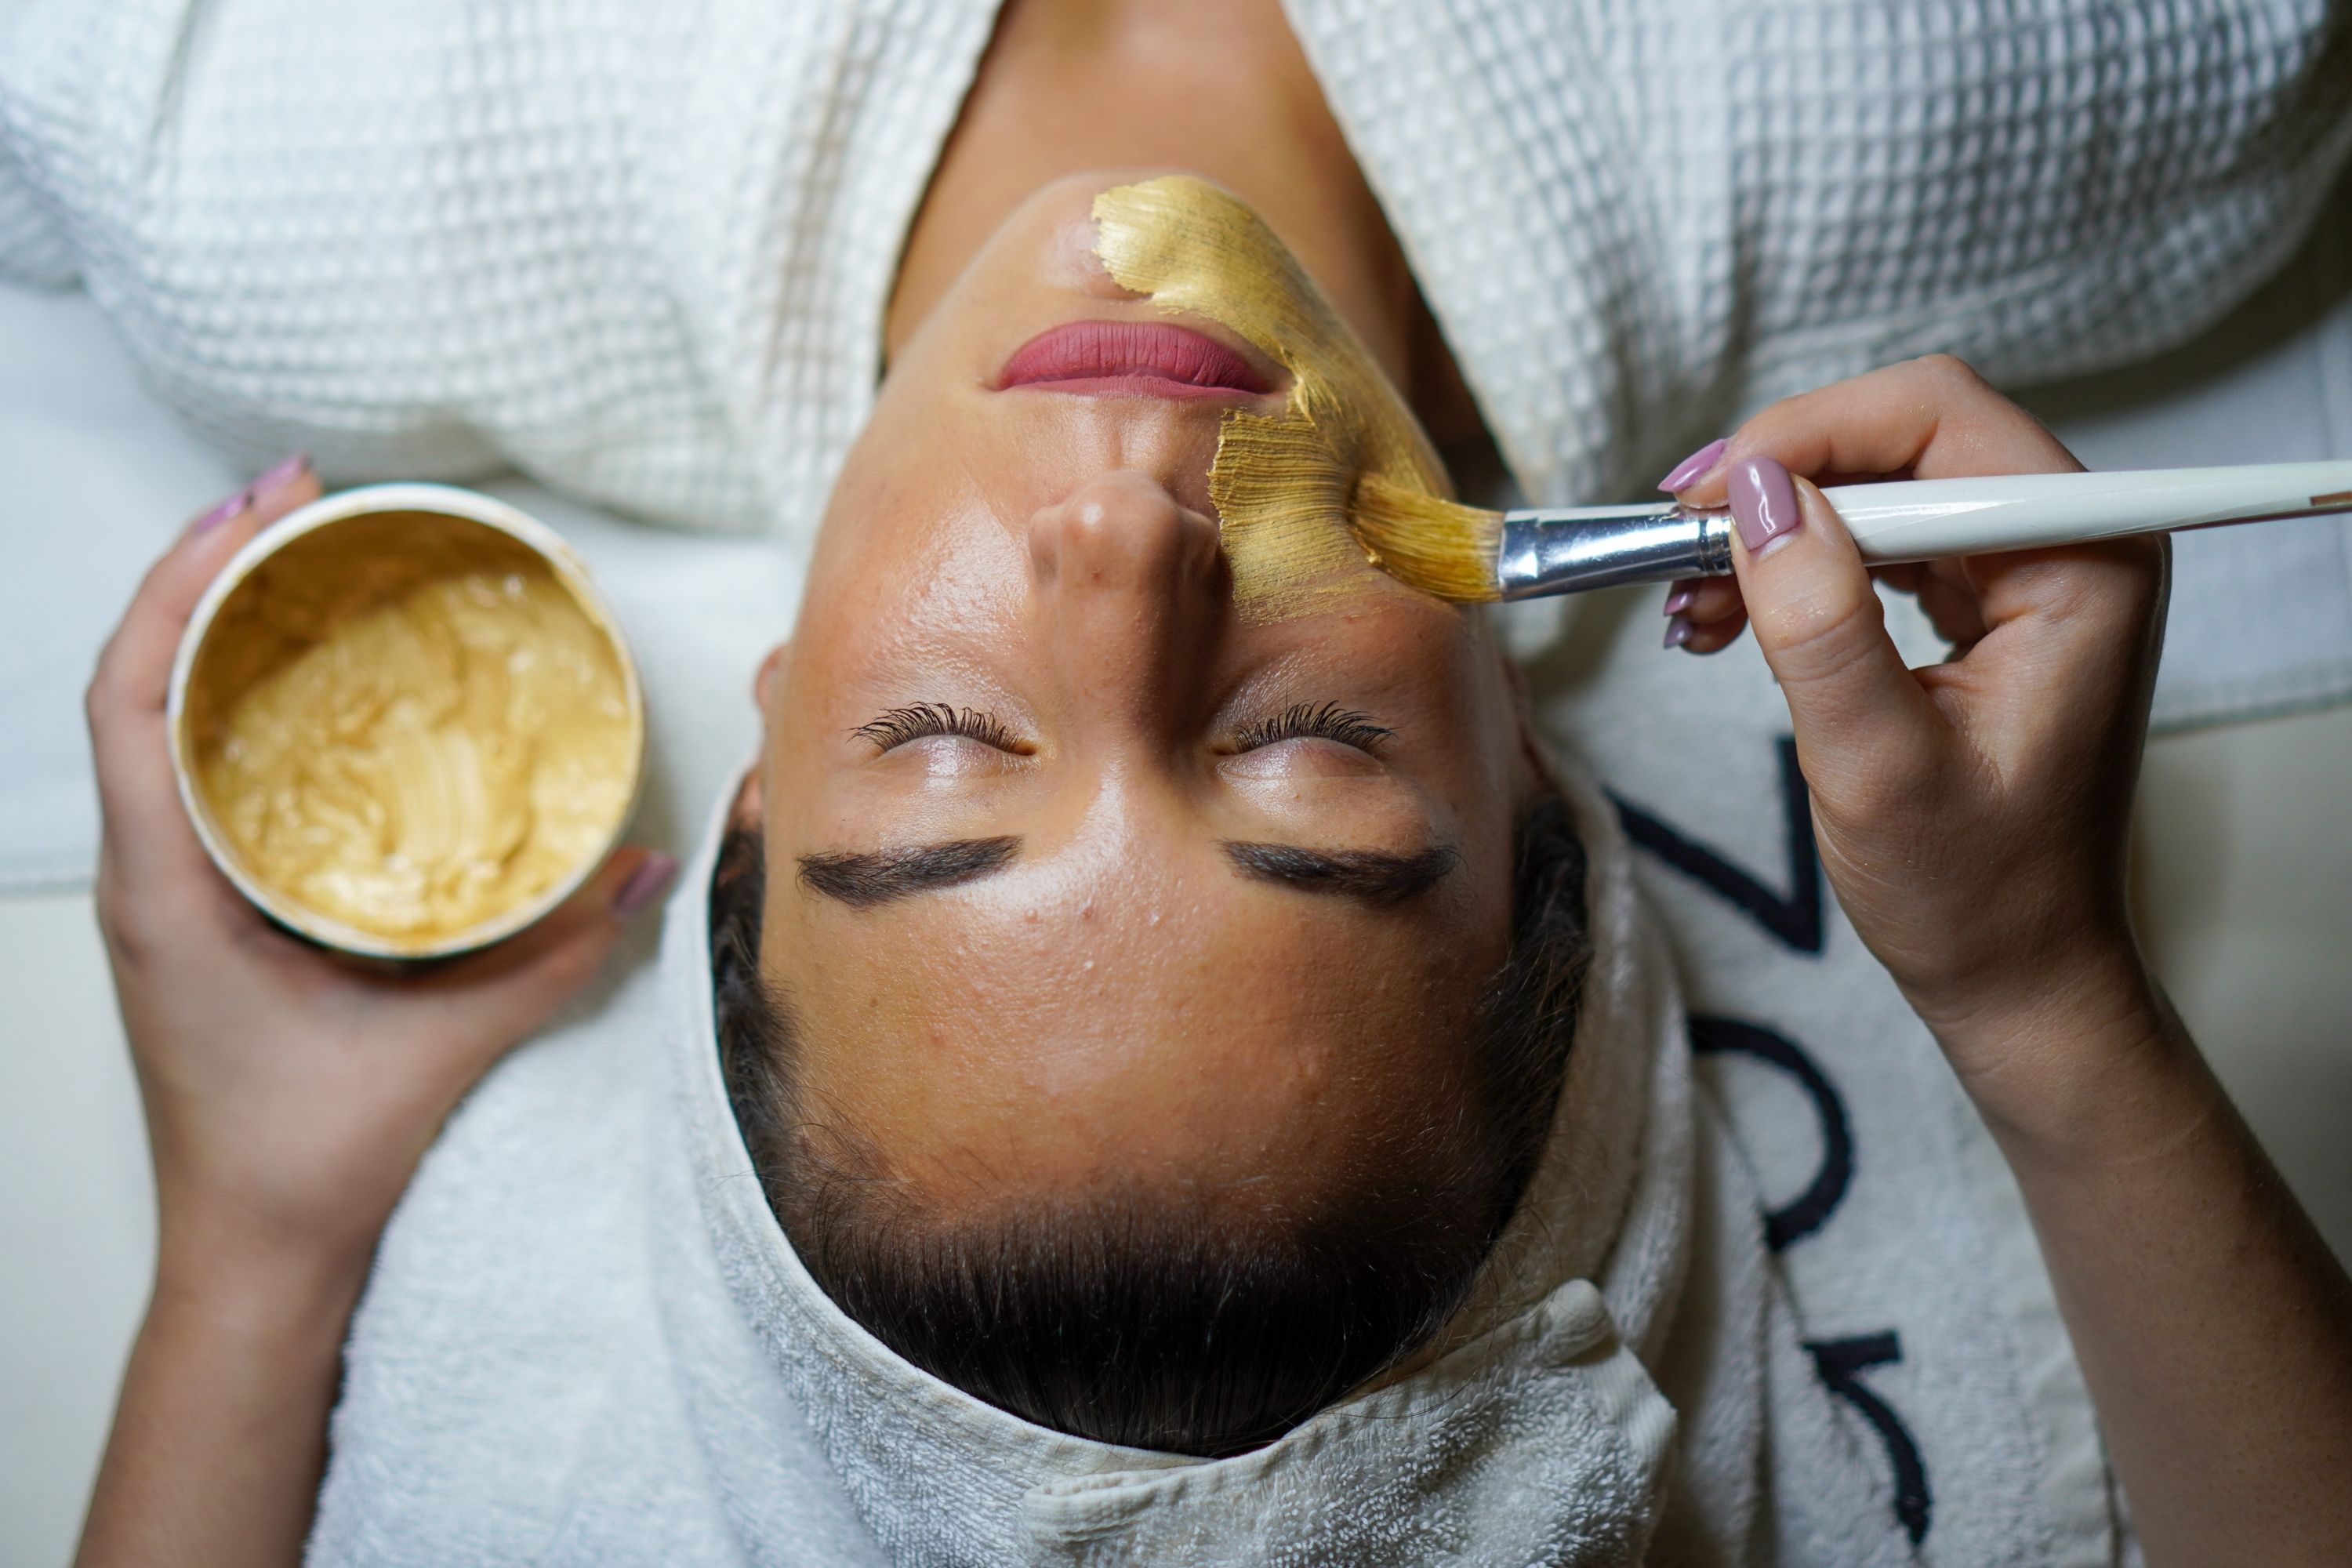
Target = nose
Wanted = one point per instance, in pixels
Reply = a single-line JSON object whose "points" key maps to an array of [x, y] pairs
{"points": [[1131, 586]]}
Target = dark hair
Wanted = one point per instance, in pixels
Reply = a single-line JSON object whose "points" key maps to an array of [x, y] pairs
{"points": [[1143, 1318]]}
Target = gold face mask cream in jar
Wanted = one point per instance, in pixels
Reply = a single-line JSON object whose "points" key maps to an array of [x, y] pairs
{"points": [[404, 721]]}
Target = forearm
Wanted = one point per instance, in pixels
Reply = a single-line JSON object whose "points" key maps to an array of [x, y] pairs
{"points": [[220, 1432], [2212, 1324]]}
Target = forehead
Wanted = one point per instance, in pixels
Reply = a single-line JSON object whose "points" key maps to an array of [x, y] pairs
{"points": [[1147, 1022]]}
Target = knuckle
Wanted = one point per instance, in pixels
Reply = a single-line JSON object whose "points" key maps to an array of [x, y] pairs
{"points": [[123, 922], [109, 692], [1949, 370], [99, 696]]}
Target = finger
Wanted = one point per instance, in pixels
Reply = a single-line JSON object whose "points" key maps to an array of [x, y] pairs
{"points": [[137, 661], [2073, 638], [1713, 637], [146, 832], [290, 485], [1819, 623], [1704, 600], [1952, 604], [1945, 596], [1704, 614], [1931, 418], [502, 996]]}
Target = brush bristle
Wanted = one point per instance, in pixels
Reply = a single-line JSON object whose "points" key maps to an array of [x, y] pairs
{"points": [[1425, 542]]}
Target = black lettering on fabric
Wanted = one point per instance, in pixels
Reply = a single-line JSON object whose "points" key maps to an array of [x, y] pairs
{"points": [[1794, 918], [1811, 1209], [1841, 1363]]}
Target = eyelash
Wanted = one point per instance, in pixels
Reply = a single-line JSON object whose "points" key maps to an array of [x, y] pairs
{"points": [[917, 720], [1327, 721]]}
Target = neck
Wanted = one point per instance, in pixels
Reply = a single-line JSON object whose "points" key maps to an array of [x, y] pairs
{"points": [[1216, 86]]}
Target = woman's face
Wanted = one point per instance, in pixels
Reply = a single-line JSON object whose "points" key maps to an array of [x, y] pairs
{"points": [[1075, 875]]}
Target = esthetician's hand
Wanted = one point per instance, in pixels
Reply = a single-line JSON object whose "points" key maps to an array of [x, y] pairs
{"points": [[1972, 815], [289, 1094]]}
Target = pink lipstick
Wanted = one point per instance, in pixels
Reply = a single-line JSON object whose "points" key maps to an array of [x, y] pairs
{"points": [[1133, 359]]}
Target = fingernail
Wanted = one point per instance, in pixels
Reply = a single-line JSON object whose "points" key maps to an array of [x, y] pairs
{"points": [[1763, 502], [1678, 631], [287, 472], [221, 513], [1679, 599], [644, 884], [1692, 467]]}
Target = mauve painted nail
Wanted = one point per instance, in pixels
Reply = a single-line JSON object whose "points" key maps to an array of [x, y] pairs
{"points": [[1679, 599], [1679, 631], [1692, 467], [283, 473], [221, 514], [1763, 502], [644, 884]]}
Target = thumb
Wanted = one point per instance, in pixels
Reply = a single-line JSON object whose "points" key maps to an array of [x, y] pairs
{"points": [[501, 995], [1855, 705]]}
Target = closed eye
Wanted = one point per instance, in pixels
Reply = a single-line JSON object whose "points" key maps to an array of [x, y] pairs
{"points": [[1325, 721], [899, 725]]}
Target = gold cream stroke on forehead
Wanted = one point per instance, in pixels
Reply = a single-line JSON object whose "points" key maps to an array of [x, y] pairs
{"points": [[1283, 486]]}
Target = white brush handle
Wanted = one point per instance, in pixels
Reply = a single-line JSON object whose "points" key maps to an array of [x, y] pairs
{"points": [[1923, 520]]}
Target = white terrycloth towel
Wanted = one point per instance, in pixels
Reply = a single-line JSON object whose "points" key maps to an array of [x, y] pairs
{"points": [[588, 1340]]}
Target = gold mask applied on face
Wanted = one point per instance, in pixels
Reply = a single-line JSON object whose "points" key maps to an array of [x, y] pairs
{"points": [[1283, 486], [410, 736]]}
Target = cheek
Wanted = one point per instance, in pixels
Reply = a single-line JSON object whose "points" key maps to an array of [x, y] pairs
{"points": [[916, 580]]}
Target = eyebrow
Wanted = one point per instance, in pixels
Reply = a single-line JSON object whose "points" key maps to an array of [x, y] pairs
{"points": [[1370, 876], [863, 877]]}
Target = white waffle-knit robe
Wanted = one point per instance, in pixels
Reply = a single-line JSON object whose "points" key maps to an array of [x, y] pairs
{"points": [[642, 251]]}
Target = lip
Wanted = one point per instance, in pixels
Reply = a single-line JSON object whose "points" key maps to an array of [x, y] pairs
{"points": [[1132, 359]]}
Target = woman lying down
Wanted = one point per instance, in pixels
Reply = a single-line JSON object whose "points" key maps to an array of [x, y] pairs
{"points": [[1163, 1061], [1159, 1061]]}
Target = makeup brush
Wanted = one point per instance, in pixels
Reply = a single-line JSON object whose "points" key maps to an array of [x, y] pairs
{"points": [[1463, 552]]}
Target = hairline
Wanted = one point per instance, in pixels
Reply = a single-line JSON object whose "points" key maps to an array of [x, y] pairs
{"points": [[1520, 1044]]}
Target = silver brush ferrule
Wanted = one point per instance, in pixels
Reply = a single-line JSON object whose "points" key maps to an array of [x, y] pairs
{"points": [[1582, 547]]}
